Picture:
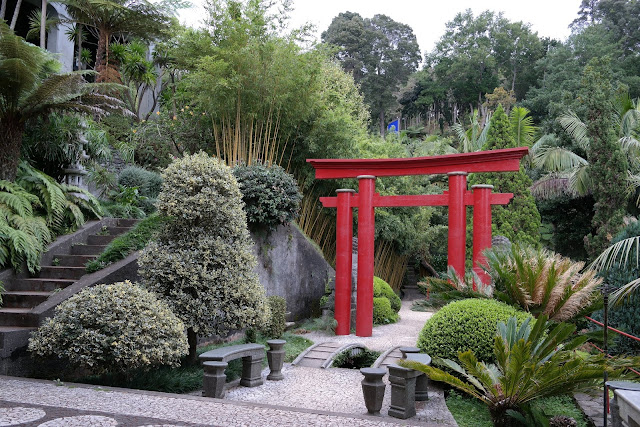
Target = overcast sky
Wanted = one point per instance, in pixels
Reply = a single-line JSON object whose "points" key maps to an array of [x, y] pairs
{"points": [[549, 18]]}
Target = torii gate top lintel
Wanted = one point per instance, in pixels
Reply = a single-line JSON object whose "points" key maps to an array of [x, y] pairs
{"points": [[504, 160]]}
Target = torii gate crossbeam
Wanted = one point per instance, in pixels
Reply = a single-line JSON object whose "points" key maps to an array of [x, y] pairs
{"points": [[457, 166]]}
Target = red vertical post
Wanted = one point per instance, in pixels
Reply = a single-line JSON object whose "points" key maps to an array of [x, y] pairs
{"points": [[457, 221], [344, 247], [481, 228], [366, 227]]}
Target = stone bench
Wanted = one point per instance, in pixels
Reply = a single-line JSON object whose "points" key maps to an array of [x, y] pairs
{"points": [[215, 362]]}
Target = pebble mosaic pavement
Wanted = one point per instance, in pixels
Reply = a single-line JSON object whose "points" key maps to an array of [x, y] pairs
{"points": [[306, 397]]}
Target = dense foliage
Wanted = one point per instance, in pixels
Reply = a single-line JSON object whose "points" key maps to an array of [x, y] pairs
{"points": [[542, 282], [519, 221], [381, 289], [270, 195], [118, 328], [277, 321], [148, 183], [530, 362], [465, 325], [201, 262]]}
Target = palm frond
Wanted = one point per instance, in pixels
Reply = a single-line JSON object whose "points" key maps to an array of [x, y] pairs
{"points": [[575, 128], [618, 255], [523, 127], [625, 292], [552, 185]]}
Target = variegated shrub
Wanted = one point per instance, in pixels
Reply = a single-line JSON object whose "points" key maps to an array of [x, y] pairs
{"points": [[112, 328], [202, 263]]}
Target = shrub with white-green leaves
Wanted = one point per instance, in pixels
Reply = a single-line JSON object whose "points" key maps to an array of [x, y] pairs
{"points": [[201, 262], [112, 328]]}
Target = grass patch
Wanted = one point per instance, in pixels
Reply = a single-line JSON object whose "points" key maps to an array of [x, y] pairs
{"points": [[469, 412], [187, 379], [134, 240]]}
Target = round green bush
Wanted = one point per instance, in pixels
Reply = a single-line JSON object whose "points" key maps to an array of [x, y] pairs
{"points": [[270, 194], [112, 328], [382, 289], [469, 324], [276, 324], [382, 311], [148, 183]]}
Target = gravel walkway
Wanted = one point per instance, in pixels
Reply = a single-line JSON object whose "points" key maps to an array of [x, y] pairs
{"points": [[404, 332]]}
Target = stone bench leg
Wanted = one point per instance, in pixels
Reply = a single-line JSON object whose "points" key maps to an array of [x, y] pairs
{"points": [[252, 371], [403, 392], [214, 379], [422, 387]]}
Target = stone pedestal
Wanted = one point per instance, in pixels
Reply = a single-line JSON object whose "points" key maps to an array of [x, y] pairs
{"points": [[214, 379], [422, 381], [275, 357], [373, 389], [408, 350], [403, 392], [251, 371]]}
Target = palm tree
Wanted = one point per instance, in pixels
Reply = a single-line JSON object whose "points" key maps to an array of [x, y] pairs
{"points": [[29, 88], [567, 171], [620, 254], [530, 363], [108, 19]]}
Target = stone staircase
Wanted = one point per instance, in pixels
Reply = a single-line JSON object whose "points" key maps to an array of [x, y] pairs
{"points": [[23, 294]]}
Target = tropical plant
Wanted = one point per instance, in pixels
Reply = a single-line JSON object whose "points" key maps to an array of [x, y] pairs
{"points": [[202, 262], [542, 282], [463, 325], [29, 89], [474, 138], [530, 362], [108, 19], [35, 208]]}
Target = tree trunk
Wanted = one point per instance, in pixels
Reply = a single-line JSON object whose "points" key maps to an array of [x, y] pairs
{"points": [[382, 127], [192, 339], [102, 53], [14, 18], [3, 8], [11, 142], [43, 25], [501, 419], [79, 46]]}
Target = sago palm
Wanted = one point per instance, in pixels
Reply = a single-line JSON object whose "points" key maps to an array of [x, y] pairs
{"points": [[542, 282], [29, 88], [530, 363]]}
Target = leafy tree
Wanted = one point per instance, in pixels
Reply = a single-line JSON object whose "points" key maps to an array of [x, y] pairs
{"points": [[608, 166], [380, 53], [109, 19], [519, 221], [29, 89], [202, 263]]}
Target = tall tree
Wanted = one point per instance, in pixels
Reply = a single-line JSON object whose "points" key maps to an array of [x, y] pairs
{"points": [[608, 166], [519, 221], [380, 53], [29, 89], [109, 19]]}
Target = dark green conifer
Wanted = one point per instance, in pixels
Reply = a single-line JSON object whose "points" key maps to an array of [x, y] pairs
{"points": [[519, 221]]}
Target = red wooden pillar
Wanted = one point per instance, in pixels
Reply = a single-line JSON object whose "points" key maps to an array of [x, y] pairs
{"points": [[366, 227], [457, 221], [344, 247], [481, 228]]}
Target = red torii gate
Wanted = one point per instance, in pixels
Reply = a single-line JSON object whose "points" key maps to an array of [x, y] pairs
{"points": [[457, 166]]}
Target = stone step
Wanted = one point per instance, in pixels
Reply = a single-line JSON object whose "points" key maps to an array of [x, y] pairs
{"points": [[73, 260], [117, 230], [24, 299], [87, 249], [17, 317], [311, 363], [122, 222], [58, 272], [40, 284], [100, 239]]}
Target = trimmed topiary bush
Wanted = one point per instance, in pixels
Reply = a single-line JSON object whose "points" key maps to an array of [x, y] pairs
{"points": [[382, 311], [115, 328], [270, 194], [202, 262], [382, 289], [469, 324], [148, 183], [277, 322]]}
